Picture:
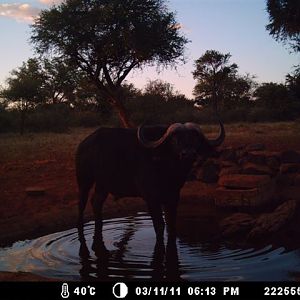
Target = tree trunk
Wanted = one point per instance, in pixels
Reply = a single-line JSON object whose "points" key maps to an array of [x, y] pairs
{"points": [[122, 114], [115, 101]]}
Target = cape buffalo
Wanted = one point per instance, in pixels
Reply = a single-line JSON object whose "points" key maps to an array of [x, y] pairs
{"points": [[151, 162]]}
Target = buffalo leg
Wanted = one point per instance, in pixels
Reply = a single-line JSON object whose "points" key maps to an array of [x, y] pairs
{"points": [[83, 198], [97, 204], [170, 210], [157, 219]]}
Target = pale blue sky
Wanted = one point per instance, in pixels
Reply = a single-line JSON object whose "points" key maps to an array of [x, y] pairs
{"points": [[235, 26]]}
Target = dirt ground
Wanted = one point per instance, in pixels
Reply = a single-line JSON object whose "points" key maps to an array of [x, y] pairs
{"points": [[47, 161]]}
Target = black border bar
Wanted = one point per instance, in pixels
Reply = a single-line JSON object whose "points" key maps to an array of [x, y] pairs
{"points": [[148, 290]]}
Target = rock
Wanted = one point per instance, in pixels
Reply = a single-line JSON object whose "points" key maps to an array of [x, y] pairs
{"points": [[240, 181], [256, 147], [255, 169], [44, 162], [229, 171], [288, 168], [35, 191], [248, 198], [238, 223], [271, 222], [286, 179], [289, 192], [227, 164], [229, 154], [242, 161], [241, 152], [273, 163], [209, 172], [228, 167], [255, 157], [297, 180], [262, 226], [290, 156]]}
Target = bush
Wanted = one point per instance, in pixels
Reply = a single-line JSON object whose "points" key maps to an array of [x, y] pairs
{"points": [[151, 108], [93, 119], [8, 121], [85, 119], [52, 118], [155, 109]]}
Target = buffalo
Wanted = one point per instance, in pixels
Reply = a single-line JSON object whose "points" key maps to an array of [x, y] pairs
{"points": [[152, 162]]}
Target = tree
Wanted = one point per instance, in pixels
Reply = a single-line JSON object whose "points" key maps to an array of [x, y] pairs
{"points": [[61, 80], [25, 89], [108, 39], [160, 88], [275, 100], [293, 84], [284, 21], [219, 81], [271, 95]]}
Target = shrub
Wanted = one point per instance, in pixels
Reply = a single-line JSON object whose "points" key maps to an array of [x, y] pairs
{"points": [[8, 121], [52, 118]]}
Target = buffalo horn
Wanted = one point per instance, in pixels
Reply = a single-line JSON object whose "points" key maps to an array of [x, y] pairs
{"points": [[220, 139], [153, 144], [214, 143]]}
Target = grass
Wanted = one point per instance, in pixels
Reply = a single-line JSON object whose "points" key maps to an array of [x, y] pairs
{"points": [[40, 146], [37, 146]]}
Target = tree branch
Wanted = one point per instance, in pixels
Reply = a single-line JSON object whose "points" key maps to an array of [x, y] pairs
{"points": [[125, 73], [108, 78]]}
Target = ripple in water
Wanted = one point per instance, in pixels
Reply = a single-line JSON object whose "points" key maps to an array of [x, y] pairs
{"points": [[132, 255]]}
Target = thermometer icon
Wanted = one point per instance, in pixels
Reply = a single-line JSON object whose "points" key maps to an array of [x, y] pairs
{"points": [[65, 291]]}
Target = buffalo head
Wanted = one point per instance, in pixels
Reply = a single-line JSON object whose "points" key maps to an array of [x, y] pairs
{"points": [[186, 140]]}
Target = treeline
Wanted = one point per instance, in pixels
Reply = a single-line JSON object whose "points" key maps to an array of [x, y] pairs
{"points": [[272, 102], [52, 96]]}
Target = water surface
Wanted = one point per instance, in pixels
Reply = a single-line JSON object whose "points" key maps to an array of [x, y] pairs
{"points": [[132, 255]]}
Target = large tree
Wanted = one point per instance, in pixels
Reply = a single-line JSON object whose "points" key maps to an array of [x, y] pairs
{"points": [[107, 39], [25, 89], [284, 21], [218, 80]]}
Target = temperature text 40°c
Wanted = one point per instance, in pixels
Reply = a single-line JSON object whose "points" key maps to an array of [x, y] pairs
{"points": [[83, 291]]}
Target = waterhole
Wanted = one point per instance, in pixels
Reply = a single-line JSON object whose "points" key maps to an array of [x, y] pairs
{"points": [[132, 255]]}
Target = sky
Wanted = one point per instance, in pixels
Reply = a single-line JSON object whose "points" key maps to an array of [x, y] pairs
{"points": [[229, 26]]}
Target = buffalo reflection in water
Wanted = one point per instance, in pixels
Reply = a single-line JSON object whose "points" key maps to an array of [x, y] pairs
{"points": [[110, 265]]}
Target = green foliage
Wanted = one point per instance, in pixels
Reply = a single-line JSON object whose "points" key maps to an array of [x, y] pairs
{"points": [[271, 95], [9, 121], [107, 39], [61, 80], [24, 86], [277, 102], [293, 84], [159, 103], [53, 118], [25, 89], [218, 80], [155, 109], [284, 21], [160, 88]]}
